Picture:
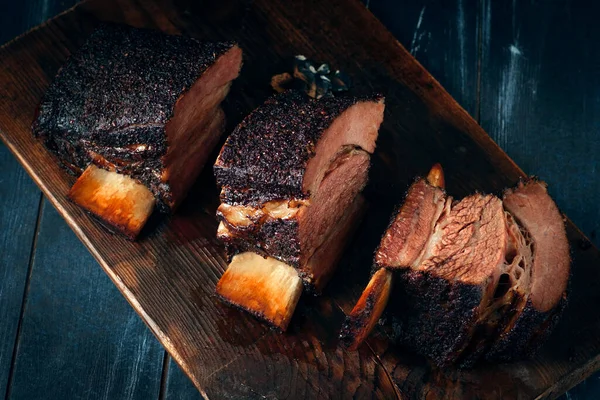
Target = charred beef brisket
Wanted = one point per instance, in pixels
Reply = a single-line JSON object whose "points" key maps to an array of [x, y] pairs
{"points": [[291, 175], [140, 103], [478, 278]]}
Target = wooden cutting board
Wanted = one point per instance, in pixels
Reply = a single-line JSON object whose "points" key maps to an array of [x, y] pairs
{"points": [[170, 274]]}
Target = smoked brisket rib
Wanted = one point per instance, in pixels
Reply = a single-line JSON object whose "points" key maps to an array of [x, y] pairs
{"points": [[142, 104], [476, 278], [291, 176]]}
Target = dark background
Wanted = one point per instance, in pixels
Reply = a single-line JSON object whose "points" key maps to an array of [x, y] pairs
{"points": [[527, 71]]}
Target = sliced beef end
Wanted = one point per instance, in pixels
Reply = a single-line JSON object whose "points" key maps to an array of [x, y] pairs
{"points": [[322, 264], [537, 213], [292, 230], [116, 82], [112, 102], [197, 124], [544, 299], [410, 229], [284, 148]]}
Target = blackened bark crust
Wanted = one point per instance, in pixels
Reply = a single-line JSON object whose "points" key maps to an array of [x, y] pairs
{"points": [[119, 91], [265, 157]]}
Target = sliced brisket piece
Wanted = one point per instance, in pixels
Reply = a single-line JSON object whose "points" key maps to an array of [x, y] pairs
{"points": [[545, 270], [292, 168], [409, 231], [291, 176], [489, 282], [291, 230], [141, 103]]}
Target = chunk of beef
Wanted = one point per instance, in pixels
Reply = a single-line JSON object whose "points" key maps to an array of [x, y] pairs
{"points": [[483, 278], [140, 103], [291, 174], [292, 230]]}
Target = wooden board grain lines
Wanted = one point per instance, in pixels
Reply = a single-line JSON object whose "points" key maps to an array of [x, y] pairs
{"points": [[169, 275]]}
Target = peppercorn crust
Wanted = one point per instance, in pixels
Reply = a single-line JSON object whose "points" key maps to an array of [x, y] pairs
{"points": [[115, 96], [269, 150]]}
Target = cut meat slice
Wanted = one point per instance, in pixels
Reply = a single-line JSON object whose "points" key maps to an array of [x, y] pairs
{"points": [[263, 286], [537, 213], [114, 198], [479, 278], [542, 289], [403, 243], [320, 267], [142, 103]]}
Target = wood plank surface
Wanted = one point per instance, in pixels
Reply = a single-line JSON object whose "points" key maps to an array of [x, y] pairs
{"points": [[540, 98], [444, 37], [19, 205], [80, 338], [169, 276], [178, 385], [19, 202]]}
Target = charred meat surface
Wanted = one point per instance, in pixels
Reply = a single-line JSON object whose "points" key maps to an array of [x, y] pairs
{"points": [[141, 103], [284, 147], [291, 176], [478, 278]]}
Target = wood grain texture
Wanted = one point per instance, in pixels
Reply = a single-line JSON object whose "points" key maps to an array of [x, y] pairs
{"points": [[19, 202], [169, 276], [443, 36], [79, 338], [539, 97], [178, 385]]}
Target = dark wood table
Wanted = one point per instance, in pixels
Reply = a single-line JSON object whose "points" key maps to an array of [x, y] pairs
{"points": [[527, 71]]}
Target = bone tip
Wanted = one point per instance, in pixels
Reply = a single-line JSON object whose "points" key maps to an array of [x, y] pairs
{"points": [[436, 176]]}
